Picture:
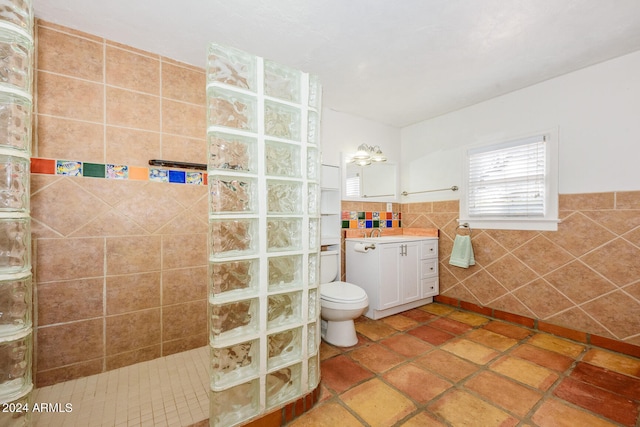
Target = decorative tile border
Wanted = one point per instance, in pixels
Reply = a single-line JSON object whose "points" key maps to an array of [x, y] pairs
{"points": [[370, 219], [112, 171]]}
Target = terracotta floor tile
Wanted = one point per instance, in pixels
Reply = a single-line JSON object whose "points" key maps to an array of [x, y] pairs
{"points": [[419, 315], [326, 414], [341, 373], [327, 351], [614, 361], [377, 403], [594, 399], [547, 358], [554, 413], [615, 382], [400, 322], [447, 365], [559, 345], [431, 335], [462, 409], [526, 372], [503, 392], [375, 331], [468, 318], [417, 383], [406, 345], [422, 419], [491, 339], [437, 309], [450, 325], [376, 358], [508, 330], [472, 351]]}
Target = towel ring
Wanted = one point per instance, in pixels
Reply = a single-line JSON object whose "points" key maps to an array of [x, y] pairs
{"points": [[465, 226]]}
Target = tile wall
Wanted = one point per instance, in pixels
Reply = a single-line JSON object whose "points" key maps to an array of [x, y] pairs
{"points": [[120, 264], [584, 277]]}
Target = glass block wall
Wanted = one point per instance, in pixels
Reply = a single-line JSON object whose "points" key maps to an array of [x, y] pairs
{"points": [[16, 334], [264, 237]]}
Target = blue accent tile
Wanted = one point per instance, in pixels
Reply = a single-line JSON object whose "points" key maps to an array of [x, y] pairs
{"points": [[369, 224], [177, 176], [389, 223]]}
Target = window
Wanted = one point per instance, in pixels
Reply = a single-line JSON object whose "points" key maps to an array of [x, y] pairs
{"points": [[512, 184], [353, 182]]}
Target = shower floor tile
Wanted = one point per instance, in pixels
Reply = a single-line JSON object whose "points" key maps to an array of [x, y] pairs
{"points": [[169, 391]]}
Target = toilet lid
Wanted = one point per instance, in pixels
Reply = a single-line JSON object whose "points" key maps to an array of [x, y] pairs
{"points": [[342, 292]]}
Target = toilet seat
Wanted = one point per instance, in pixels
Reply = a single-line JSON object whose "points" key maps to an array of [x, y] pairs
{"points": [[342, 292]]}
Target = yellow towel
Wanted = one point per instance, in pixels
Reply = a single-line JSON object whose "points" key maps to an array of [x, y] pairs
{"points": [[462, 252]]}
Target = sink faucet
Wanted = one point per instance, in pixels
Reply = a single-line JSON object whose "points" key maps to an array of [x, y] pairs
{"points": [[373, 232]]}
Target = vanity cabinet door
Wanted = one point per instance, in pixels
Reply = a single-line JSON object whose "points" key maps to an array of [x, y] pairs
{"points": [[399, 274], [410, 272], [389, 291]]}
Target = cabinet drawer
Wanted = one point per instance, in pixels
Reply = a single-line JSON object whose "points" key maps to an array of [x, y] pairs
{"points": [[429, 249], [430, 287], [429, 267]]}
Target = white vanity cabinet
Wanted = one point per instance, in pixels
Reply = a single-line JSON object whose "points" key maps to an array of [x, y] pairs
{"points": [[397, 272]]}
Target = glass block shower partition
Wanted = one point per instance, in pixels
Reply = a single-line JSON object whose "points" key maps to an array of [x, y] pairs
{"points": [[16, 333], [264, 236]]}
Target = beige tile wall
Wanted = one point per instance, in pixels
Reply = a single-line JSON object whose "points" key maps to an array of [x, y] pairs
{"points": [[585, 276], [120, 266]]}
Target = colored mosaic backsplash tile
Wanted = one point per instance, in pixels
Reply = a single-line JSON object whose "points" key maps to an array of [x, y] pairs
{"points": [[110, 171], [369, 219]]}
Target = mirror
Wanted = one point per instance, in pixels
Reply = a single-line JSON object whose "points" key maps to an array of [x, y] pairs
{"points": [[375, 182]]}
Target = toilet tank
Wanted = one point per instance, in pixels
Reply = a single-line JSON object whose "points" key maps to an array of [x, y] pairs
{"points": [[328, 266]]}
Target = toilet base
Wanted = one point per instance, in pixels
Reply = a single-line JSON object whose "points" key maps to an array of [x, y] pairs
{"points": [[341, 333]]}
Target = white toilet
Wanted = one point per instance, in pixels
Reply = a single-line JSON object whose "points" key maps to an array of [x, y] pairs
{"points": [[340, 303]]}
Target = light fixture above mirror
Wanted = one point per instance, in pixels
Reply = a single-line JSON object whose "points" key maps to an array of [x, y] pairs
{"points": [[366, 154]]}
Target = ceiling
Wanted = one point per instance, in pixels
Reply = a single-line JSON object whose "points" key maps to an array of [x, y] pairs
{"points": [[397, 62]]}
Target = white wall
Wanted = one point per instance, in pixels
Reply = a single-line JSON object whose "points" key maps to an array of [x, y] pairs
{"points": [[595, 110], [342, 133]]}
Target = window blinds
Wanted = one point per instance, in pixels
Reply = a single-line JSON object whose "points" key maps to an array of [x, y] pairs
{"points": [[508, 179], [353, 183]]}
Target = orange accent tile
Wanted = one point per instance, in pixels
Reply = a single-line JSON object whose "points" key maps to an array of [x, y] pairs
{"points": [[140, 174], [45, 166], [353, 223]]}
